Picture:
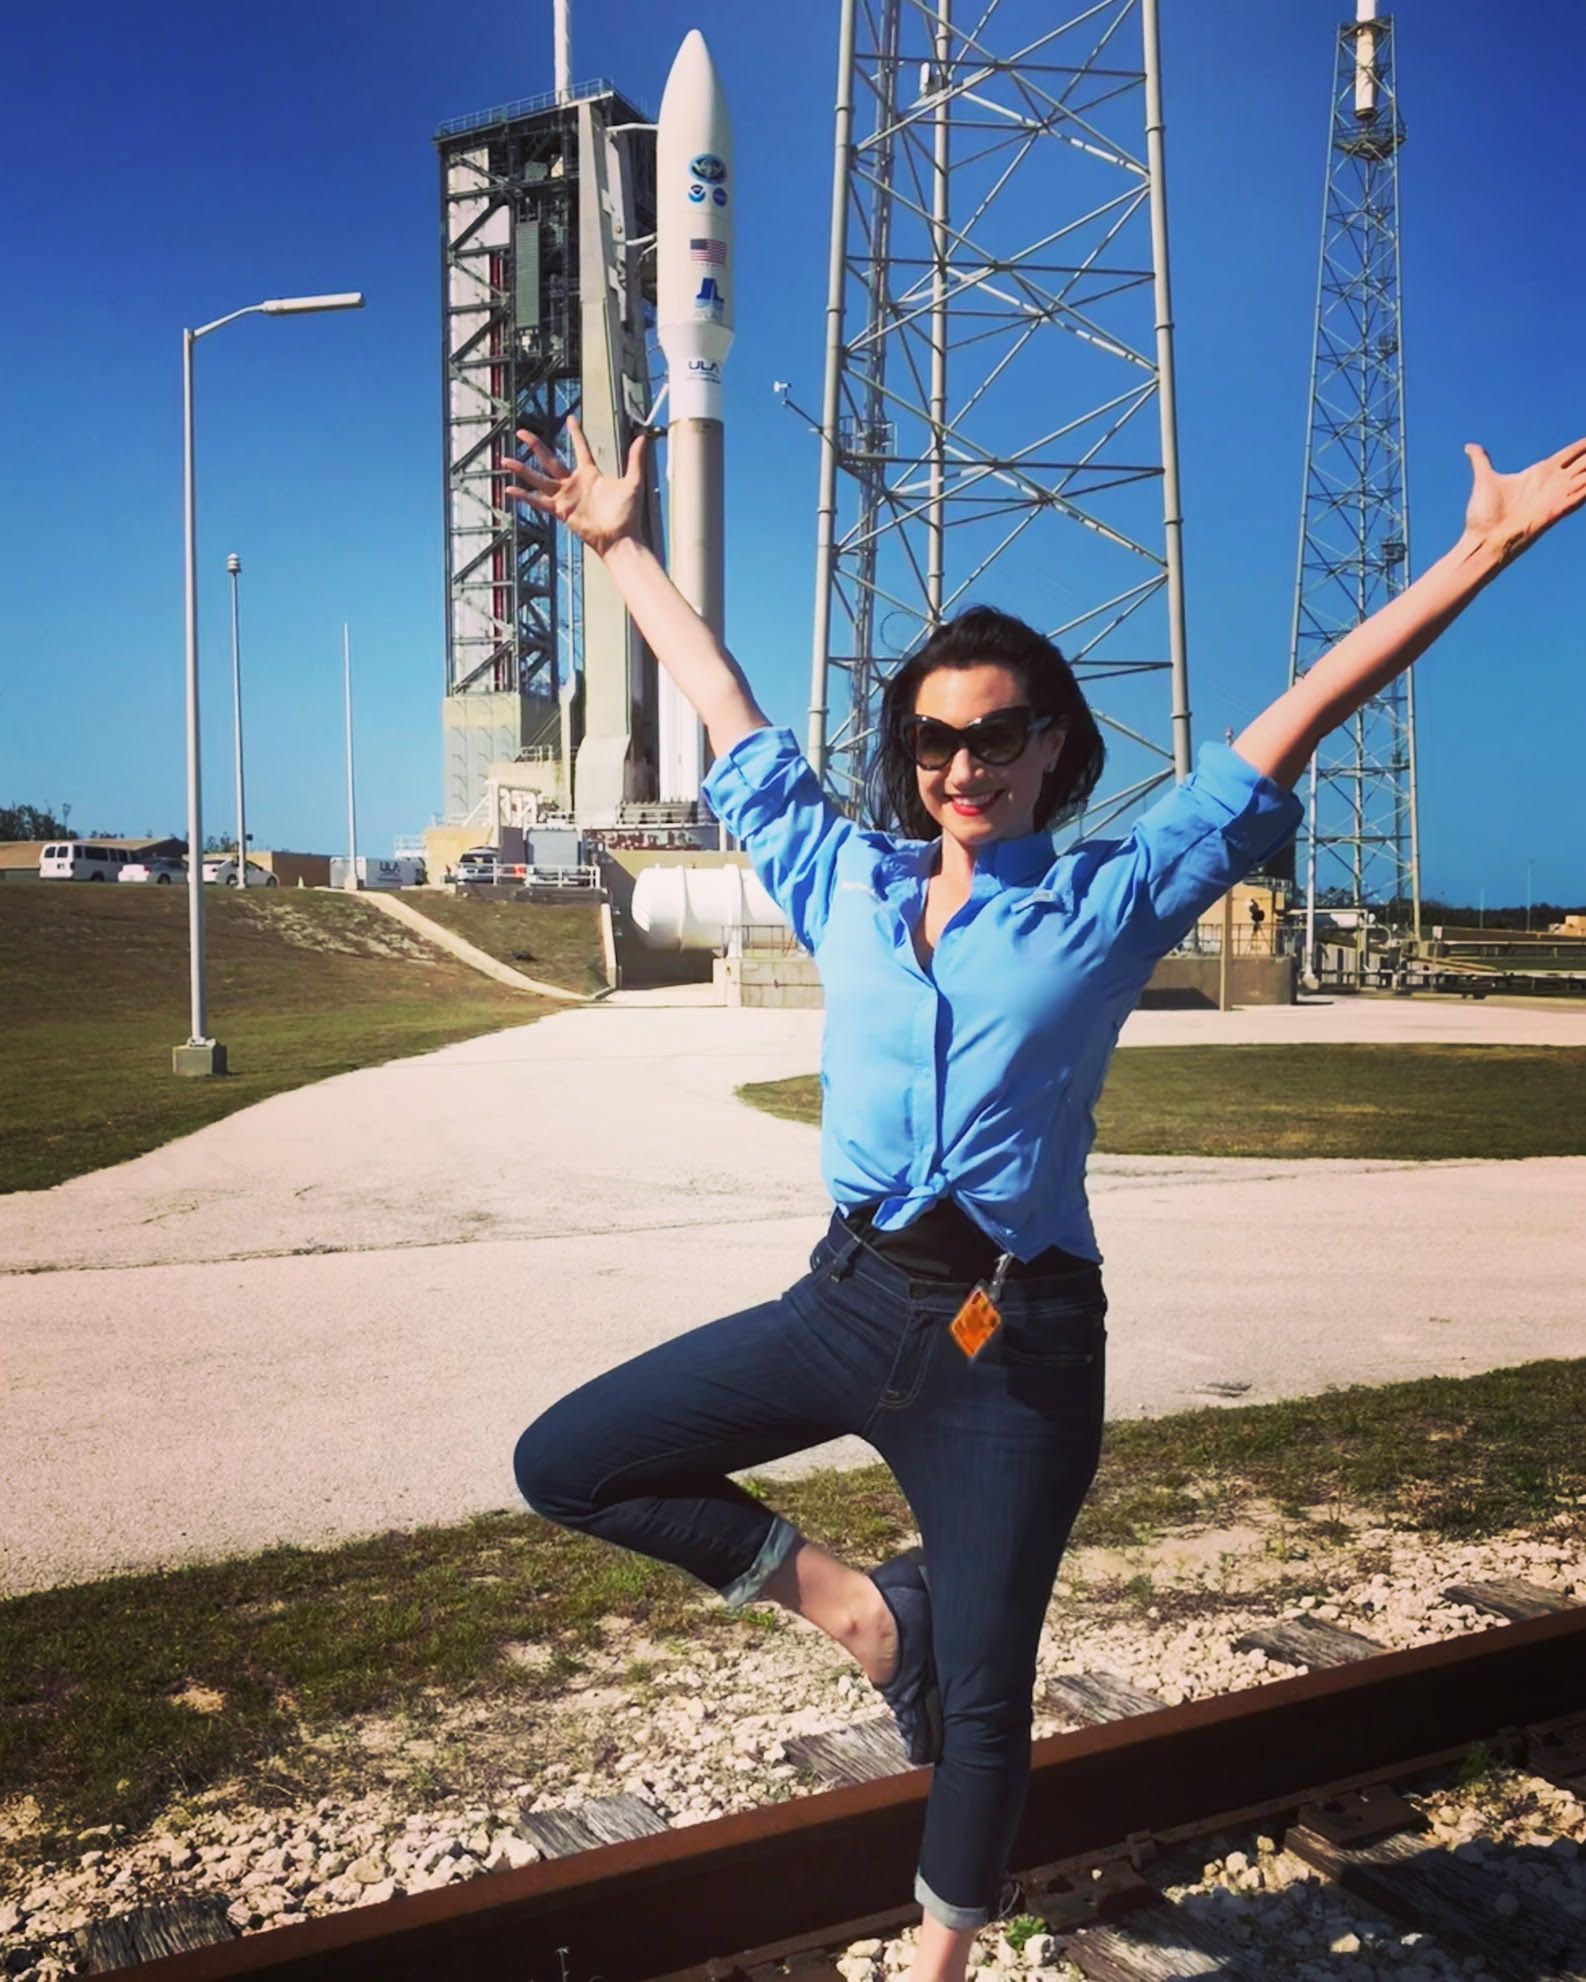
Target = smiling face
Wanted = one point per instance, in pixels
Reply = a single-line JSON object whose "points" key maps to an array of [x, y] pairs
{"points": [[972, 802]]}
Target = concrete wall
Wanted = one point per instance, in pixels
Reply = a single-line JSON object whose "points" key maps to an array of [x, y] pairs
{"points": [[790, 980], [1194, 981], [1191, 981]]}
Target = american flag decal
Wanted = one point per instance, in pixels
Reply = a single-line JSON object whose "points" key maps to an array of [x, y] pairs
{"points": [[708, 251]]}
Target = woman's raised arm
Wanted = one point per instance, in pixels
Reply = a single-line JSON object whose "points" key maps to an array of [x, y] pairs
{"points": [[1506, 514], [604, 511]]}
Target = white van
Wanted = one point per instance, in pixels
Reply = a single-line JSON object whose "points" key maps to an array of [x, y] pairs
{"points": [[81, 860]]}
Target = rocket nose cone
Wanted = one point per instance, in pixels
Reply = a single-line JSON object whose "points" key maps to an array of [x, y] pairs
{"points": [[692, 69]]}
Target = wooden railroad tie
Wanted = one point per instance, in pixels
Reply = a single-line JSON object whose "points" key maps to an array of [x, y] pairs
{"points": [[1506, 1597]]}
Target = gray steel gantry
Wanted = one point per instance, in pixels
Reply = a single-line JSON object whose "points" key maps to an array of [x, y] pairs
{"points": [[998, 415]]}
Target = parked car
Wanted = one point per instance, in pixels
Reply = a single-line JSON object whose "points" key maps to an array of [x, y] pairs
{"points": [[478, 864], [225, 872], [81, 860], [160, 869]]}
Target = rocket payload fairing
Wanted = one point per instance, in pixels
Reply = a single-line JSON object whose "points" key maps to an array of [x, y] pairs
{"points": [[694, 196], [694, 297]]}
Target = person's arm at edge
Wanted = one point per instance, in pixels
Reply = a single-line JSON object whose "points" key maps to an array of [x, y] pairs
{"points": [[604, 512], [1507, 513]]}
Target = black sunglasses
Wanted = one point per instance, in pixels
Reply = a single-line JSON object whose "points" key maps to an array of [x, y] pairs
{"points": [[995, 739]]}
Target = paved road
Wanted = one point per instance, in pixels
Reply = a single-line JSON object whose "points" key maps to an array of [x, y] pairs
{"points": [[333, 1312]]}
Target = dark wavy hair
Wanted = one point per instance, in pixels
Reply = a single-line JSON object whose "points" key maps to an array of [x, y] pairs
{"points": [[979, 635]]}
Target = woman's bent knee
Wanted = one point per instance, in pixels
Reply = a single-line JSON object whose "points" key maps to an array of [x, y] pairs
{"points": [[548, 1473]]}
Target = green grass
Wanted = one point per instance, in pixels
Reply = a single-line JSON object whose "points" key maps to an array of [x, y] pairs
{"points": [[557, 943], [301, 984], [295, 1641], [1405, 1102]]}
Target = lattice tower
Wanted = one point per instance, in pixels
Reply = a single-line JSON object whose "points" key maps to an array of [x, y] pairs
{"points": [[998, 418], [1360, 842], [546, 204]]}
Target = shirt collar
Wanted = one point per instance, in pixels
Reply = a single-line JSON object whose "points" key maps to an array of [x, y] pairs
{"points": [[1012, 863]]}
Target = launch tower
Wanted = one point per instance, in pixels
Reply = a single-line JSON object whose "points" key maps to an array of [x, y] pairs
{"points": [[549, 692], [998, 417], [1360, 842]]}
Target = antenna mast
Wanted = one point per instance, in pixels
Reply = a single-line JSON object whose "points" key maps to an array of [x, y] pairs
{"points": [[1361, 838]]}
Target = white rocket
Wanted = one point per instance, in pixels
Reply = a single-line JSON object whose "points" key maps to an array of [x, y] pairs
{"points": [[694, 284]]}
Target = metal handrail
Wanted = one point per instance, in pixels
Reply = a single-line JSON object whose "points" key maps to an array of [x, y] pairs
{"points": [[525, 106]]}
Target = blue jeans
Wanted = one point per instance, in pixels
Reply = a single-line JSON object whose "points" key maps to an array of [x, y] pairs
{"points": [[994, 1457]]}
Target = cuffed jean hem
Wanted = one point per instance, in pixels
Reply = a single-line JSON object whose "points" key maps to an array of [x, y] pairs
{"points": [[774, 1551], [959, 1917]]}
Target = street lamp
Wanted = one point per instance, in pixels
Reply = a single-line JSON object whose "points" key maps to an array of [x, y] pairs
{"points": [[202, 1055], [234, 566]]}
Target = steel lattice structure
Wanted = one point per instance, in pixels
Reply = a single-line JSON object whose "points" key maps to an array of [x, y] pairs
{"points": [[545, 310], [1360, 841], [998, 399]]}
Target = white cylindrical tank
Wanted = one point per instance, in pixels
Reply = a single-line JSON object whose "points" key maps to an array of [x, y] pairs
{"points": [[691, 908]]}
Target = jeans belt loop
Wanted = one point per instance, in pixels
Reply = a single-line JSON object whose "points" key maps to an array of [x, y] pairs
{"points": [[843, 1265]]}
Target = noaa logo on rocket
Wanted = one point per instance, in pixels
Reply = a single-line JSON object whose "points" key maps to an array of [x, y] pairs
{"points": [[709, 167], [696, 194]]}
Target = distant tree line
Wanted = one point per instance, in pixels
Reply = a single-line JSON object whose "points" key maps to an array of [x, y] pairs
{"points": [[1457, 915], [37, 822]]}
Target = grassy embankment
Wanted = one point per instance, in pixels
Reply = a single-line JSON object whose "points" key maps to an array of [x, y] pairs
{"points": [[1410, 1103], [301, 984], [558, 944], [115, 1696]]}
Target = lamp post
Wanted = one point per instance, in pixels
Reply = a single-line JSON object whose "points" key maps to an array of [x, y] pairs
{"points": [[352, 808], [201, 1054], [234, 566]]}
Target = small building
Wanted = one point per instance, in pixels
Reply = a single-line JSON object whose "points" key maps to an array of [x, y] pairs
{"points": [[309, 870]]}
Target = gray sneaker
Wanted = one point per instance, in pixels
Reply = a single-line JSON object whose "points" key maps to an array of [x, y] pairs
{"points": [[912, 1693]]}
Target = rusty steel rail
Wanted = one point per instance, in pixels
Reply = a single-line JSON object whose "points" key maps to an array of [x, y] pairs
{"points": [[653, 1906]]}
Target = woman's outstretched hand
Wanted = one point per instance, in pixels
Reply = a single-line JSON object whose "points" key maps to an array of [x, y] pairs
{"points": [[599, 509], [1511, 511]]}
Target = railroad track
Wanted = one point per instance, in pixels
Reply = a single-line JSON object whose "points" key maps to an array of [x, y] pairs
{"points": [[1314, 1764]]}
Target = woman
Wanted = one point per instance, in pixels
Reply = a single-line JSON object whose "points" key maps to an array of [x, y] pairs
{"points": [[975, 985]]}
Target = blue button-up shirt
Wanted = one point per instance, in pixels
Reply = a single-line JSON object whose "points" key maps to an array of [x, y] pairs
{"points": [[976, 1078]]}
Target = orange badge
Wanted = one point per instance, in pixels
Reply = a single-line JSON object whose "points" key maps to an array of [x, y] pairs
{"points": [[976, 1322]]}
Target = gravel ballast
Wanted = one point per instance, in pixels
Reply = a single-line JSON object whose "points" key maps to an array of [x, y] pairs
{"points": [[419, 1802]]}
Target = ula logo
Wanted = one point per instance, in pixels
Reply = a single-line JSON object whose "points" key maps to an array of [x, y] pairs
{"points": [[708, 167]]}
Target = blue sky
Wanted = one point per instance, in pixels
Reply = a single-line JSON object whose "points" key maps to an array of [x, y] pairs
{"points": [[165, 165]]}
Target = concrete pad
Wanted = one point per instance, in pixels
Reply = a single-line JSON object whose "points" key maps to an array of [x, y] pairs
{"points": [[333, 1312]]}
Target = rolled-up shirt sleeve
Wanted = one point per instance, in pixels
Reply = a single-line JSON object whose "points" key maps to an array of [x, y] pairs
{"points": [[1200, 838], [765, 791]]}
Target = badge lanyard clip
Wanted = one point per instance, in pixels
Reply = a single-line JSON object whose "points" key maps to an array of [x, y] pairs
{"points": [[979, 1318]]}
